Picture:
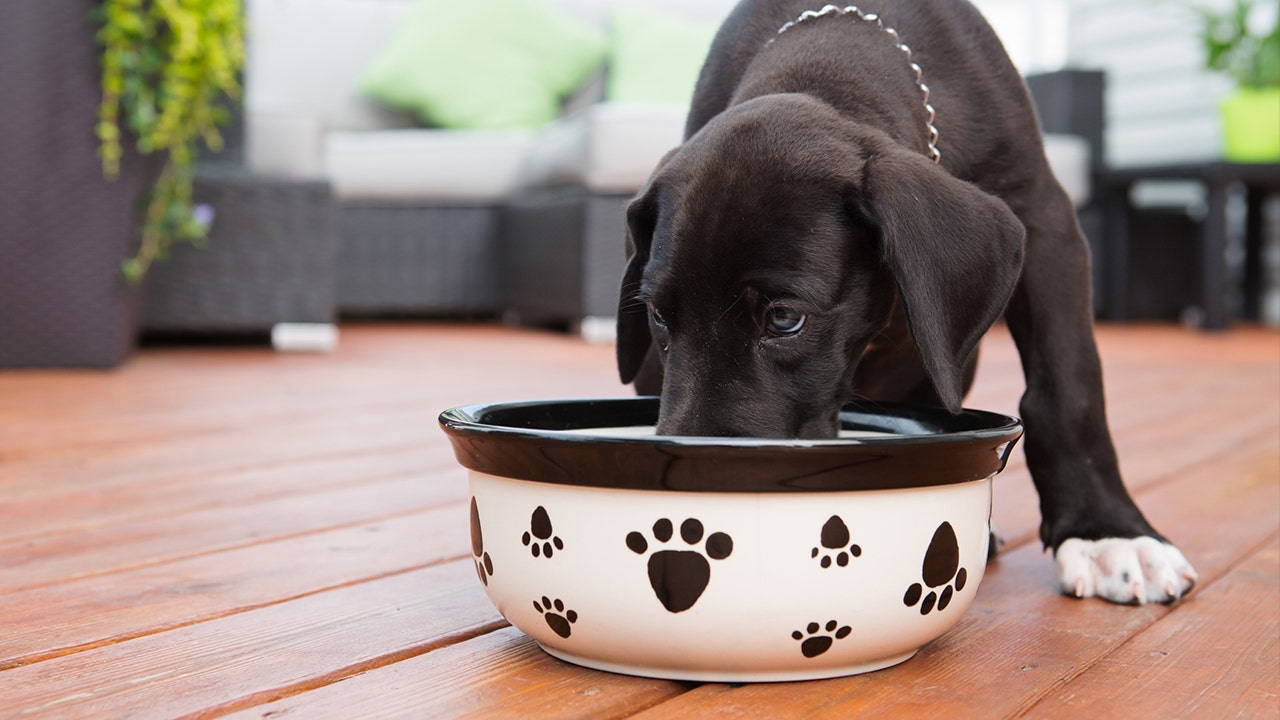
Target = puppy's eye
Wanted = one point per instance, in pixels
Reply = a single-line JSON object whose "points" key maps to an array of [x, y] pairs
{"points": [[657, 317], [783, 320]]}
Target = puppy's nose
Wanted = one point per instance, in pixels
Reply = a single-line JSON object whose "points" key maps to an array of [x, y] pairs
{"points": [[743, 422], [697, 423], [687, 426]]}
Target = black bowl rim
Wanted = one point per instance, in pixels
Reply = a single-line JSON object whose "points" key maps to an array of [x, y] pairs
{"points": [[525, 440]]}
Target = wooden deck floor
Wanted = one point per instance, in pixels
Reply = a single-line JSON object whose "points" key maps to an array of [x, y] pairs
{"points": [[228, 531]]}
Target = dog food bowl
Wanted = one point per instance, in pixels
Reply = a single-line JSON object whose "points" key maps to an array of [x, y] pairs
{"points": [[728, 559]]}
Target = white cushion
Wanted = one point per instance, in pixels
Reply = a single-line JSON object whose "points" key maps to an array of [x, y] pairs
{"points": [[614, 147], [305, 57], [1069, 159], [283, 144], [447, 165], [608, 148]]}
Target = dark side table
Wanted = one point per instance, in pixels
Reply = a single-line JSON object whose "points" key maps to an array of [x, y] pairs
{"points": [[1217, 177]]}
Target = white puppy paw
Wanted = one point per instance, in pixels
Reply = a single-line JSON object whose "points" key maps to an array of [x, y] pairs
{"points": [[1124, 570]]}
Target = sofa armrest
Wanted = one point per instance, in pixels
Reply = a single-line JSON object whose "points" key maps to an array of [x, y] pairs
{"points": [[284, 142]]}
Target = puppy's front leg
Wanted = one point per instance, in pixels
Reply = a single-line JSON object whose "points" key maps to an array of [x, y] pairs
{"points": [[1103, 545]]}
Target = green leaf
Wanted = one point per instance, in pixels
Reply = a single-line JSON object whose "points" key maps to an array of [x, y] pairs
{"points": [[131, 271], [167, 67], [1231, 49]]}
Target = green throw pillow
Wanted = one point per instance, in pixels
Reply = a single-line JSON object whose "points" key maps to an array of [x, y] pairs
{"points": [[655, 57], [494, 65]]}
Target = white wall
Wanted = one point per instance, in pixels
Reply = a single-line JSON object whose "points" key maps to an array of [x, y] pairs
{"points": [[1034, 32], [1161, 105]]}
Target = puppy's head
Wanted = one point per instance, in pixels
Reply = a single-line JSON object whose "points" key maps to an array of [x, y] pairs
{"points": [[767, 250]]}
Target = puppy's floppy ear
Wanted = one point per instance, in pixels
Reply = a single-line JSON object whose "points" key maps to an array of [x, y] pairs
{"points": [[954, 251], [633, 316]]}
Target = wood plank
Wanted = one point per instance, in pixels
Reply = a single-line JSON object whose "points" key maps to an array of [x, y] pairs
{"points": [[259, 655], [149, 413], [1154, 386], [227, 401], [1020, 641], [92, 506], [36, 562], [165, 377], [227, 450], [502, 674], [1016, 642], [249, 434], [1191, 413], [169, 618], [82, 614], [1221, 651], [1150, 454]]}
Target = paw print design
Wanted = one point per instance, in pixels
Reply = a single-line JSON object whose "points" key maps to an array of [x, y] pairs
{"points": [[558, 619], [941, 566], [540, 539], [484, 563], [679, 577], [835, 544], [817, 639]]}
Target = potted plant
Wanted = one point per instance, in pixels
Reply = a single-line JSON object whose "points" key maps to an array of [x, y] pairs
{"points": [[170, 75], [1239, 43], [144, 75], [167, 70]]}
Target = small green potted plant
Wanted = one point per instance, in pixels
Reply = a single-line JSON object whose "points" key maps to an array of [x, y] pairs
{"points": [[1236, 46], [169, 68]]}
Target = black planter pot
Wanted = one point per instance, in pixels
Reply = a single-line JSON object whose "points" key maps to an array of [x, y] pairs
{"points": [[64, 228]]}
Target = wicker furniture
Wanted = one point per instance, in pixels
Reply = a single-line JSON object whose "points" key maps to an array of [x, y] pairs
{"points": [[270, 258], [562, 259], [421, 209], [418, 208], [64, 229], [563, 234], [400, 258]]}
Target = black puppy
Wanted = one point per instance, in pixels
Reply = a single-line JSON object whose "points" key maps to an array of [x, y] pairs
{"points": [[846, 218]]}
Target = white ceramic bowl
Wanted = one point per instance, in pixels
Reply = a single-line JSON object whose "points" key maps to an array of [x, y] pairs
{"points": [[728, 559]]}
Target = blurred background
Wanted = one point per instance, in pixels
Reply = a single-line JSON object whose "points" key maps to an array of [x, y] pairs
{"points": [[1162, 102], [264, 170]]}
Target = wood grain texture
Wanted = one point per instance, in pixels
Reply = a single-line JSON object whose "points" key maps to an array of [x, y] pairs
{"points": [[260, 654], [1221, 652], [1020, 640], [502, 674], [66, 511], [88, 612], [223, 531], [151, 541]]}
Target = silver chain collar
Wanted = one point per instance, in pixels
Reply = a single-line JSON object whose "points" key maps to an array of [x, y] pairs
{"points": [[874, 18]]}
